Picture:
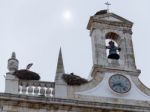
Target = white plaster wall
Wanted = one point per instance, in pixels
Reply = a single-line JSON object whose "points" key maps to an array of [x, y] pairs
{"points": [[103, 90]]}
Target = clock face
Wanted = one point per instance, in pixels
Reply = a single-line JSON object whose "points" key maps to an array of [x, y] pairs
{"points": [[119, 83]]}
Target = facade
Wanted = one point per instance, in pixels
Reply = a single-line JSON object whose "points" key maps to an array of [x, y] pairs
{"points": [[113, 86]]}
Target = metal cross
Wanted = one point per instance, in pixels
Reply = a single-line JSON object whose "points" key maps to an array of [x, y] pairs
{"points": [[108, 4]]}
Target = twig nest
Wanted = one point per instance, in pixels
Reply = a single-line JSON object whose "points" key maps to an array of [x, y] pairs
{"points": [[26, 75], [73, 80]]}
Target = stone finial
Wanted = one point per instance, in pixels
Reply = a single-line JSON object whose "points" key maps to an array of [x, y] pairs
{"points": [[60, 85], [60, 65], [60, 68], [13, 63]]}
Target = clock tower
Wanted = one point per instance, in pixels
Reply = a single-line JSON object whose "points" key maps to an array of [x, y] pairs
{"points": [[114, 75], [112, 49]]}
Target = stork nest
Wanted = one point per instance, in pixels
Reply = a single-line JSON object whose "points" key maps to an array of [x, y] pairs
{"points": [[73, 80], [101, 12], [26, 75]]}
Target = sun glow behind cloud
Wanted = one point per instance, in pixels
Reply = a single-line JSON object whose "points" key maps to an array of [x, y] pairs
{"points": [[67, 15]]}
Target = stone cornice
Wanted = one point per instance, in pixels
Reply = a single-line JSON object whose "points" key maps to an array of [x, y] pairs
{"points": [[99, 19], [113, 23], [27, 100], [98, 68], [115, 16]]}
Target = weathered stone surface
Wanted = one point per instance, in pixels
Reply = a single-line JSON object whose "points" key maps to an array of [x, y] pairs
{"points": [[20, 103]]}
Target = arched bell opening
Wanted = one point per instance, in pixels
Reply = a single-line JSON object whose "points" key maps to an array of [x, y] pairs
{"points": [[112, 47]]}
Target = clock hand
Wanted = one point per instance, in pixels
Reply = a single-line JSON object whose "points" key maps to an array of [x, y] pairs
{"points": [[117, 84]]}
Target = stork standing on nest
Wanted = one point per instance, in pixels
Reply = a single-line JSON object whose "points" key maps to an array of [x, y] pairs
{"points": [[29, 66]]}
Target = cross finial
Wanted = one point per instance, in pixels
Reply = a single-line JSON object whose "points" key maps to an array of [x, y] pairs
{"points": [[13, 55], [108, 4]]}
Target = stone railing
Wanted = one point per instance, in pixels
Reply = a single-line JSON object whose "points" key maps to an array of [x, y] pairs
{"points": [[36, 88]]}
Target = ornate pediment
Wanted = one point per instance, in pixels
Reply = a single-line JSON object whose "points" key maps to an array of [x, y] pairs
{"points": [[110, 18]]}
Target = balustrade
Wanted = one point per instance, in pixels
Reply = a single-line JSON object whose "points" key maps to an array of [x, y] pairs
{"points": [[36, 88]]}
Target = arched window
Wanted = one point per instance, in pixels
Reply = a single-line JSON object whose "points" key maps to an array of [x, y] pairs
{"points": [[112, 47]]}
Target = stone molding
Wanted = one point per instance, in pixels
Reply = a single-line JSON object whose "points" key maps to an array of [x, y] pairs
{"points": [[26, 101], [98, 68], [110, 23], [98, 18], [141, 86]]}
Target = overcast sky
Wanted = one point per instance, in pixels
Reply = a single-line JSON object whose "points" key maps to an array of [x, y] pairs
{"points": [[35, 30]]}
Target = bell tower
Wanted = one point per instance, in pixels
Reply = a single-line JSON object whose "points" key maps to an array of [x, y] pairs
{"points": [[114, 76], [106, 27]]}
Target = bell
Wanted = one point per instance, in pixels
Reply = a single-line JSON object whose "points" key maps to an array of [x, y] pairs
{"points": [[113, 56], [113, 51]]}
